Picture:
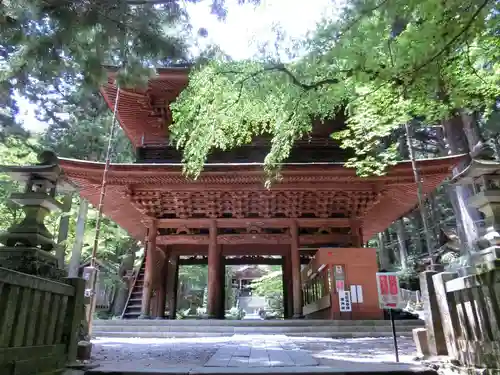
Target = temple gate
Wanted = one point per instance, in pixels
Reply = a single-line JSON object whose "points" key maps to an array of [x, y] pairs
{"points": [[227, 213]]}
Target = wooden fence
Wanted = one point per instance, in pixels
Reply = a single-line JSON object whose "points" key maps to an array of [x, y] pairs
{"points": [[39, 323], [470, 314]]}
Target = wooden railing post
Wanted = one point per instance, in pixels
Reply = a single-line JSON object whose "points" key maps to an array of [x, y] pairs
{"points": [[74, 317]]}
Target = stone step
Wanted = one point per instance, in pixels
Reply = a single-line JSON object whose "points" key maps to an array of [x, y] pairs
{"points": [[256, 330], [205, 323], [341, 369], [183, 334]]}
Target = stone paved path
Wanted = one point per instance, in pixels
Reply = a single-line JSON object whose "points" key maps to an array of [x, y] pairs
{"points": [[261, 351], [235, 352]]}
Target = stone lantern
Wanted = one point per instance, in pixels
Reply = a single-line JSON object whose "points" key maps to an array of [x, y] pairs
{"points": [[28, 245], [484, 176]]}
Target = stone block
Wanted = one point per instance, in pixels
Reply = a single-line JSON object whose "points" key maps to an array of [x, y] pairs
{"points": [[421, 342], [31, 260], [84, 351], [447, 308], [433, 323]]}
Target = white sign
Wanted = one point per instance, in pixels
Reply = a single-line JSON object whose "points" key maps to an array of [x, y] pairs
{"points": [[357, 293], [345, 301], [389, 293]]}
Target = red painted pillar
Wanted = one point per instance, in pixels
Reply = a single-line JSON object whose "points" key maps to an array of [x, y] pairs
{"points": [[356, 234], [147, 291], [161, 292], [172, 285], [295, 260], [214, 268], [288, 285]]}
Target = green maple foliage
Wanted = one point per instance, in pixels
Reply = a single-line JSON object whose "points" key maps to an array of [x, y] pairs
{"points": [[383, 62]]}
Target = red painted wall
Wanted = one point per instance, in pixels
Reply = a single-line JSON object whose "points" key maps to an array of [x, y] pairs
{"points": [[360, 268]]}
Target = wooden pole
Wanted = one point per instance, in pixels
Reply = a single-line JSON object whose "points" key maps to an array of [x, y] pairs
{"points": [[420, 192]]}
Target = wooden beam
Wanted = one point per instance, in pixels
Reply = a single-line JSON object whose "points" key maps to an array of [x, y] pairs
{"points": [[257, 222], [255, 239], [240, 261]]}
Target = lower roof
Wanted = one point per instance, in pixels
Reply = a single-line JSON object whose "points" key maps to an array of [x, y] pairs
{"points": [[136, 191]]}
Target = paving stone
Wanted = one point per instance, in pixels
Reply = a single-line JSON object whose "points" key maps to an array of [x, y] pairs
{"points": [[279, 358], [259, 358], [302, 358]]}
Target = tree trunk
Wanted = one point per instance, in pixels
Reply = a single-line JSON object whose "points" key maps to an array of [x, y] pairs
{"points": [[434, 216], [403, 251], [383, 255], [459, 141], [417, 231]]}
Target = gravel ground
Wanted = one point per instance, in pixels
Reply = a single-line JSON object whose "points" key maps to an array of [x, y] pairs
{"points": [[358, 350], [196, 351]]}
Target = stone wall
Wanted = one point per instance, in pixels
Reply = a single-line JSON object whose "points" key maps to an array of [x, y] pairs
{"points": [[463, 320]]}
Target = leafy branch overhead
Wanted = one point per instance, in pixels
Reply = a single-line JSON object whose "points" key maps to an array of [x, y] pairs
{"points": [[383, 62], [51, 48]]}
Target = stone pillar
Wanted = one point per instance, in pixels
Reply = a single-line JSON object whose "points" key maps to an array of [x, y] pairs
{"points": [[147, 291], [435, 334], [62, 236], [447, 308], [76, 252], [213, 301], [296, 280]]}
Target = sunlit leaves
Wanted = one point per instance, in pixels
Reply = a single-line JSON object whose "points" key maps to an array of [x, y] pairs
{"points": [[385, 63]]}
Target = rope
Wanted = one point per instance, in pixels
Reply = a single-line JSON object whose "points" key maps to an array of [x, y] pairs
{"points": [[103, 182]]}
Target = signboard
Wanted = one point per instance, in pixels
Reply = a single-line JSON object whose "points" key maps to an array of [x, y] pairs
{"points": [[339, 285], [338, 271], [357, 293], [339, 276], [389, 294], [345, 301]]}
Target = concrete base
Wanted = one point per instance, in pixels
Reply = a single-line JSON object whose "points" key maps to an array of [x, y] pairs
{"points": [[144, 317]]}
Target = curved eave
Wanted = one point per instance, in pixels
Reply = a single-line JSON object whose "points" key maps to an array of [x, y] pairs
{"points": [[476, 169], [397, 187], [135, 111], [135, 170]]}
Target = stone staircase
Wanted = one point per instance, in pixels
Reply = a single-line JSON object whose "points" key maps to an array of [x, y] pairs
{"points": [[220, 328], [133, 307], [252, 304]]}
